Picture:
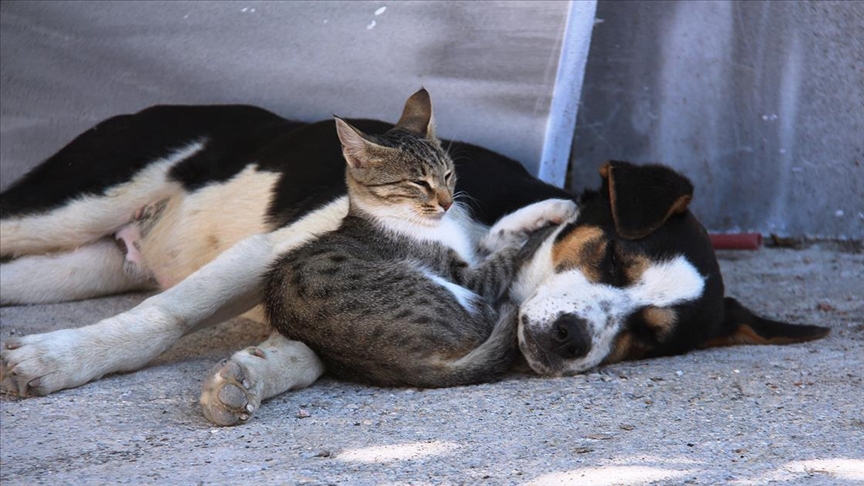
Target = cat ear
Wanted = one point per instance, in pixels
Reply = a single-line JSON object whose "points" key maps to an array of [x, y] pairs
{"points": [[355, 147], [417, 115]]}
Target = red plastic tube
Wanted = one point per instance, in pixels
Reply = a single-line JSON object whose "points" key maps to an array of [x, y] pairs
{"points": [[736, 241]]}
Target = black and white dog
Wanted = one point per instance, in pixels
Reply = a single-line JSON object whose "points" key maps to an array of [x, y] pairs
{"points": [[199, 201]]}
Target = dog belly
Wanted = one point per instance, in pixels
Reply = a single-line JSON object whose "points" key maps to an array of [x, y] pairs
{"points": [[192, 229]]}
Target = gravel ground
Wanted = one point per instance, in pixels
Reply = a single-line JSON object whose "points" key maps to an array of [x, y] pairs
{"points": [[743, 415]]}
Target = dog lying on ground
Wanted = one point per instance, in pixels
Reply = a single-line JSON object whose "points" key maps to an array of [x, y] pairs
{"points": [[200, 201]]}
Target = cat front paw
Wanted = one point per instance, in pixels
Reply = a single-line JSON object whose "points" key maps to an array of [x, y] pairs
{"points": [[232, 392], [515, 228]]}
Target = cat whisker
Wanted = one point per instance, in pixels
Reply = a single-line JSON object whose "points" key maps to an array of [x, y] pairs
{"points": [[463, 196], [454, 154]]}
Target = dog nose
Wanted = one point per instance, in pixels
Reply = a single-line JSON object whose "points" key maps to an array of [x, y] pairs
{"points": [[570, 337]]}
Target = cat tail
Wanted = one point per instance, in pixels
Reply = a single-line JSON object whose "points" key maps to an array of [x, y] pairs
{"points": [[489, 360]]}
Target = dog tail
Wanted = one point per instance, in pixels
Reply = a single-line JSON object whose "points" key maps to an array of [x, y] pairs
{"points": [[742, 326]]}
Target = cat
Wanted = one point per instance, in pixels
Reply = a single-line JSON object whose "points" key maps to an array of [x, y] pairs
{"points": [[402, 294]]}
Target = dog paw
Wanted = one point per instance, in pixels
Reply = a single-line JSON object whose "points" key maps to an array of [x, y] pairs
{"points": [[230, 393], [40, 364], [512, 230]]}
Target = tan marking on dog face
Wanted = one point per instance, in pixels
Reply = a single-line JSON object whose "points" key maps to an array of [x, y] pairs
{"points": [[634, 265], [620, 348], [660, 320], [582, 249], [626, 348]]}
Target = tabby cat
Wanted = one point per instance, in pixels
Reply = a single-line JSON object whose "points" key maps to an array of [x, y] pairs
{"points": [[398, 295]]}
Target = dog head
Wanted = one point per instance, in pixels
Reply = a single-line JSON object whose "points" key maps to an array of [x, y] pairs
{"points": [[634, 276]]}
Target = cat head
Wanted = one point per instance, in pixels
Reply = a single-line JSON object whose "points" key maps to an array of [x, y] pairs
{"points": [[404, 173]]}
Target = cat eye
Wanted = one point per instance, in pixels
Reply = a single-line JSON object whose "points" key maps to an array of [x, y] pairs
{"points": [[448, 176], [423, 184]]}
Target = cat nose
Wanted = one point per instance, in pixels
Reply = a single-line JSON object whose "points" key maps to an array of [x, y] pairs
{"points": [[444, 200]]}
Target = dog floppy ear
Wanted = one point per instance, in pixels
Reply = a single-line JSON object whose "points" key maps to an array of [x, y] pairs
{"points": [[643, 197]]}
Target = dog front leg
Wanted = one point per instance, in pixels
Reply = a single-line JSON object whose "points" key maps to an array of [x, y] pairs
{"points": [[228, 286]]}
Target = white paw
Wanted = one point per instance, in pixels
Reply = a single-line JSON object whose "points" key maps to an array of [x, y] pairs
{"points": [[40, 364], [513, 229], [232, 393]]}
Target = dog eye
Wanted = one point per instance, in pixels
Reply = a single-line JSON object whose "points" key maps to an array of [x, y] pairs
{"points": [[617, 266], [613, 257]]}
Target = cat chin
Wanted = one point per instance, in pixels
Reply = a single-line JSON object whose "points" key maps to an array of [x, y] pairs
{"points": [[431, 220], [428, 222]]}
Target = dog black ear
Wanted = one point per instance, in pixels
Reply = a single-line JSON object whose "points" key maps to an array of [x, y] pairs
{"points": [[742, 326], [643, 197]]}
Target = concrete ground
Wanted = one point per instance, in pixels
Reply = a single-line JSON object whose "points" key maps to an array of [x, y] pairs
{"points": [[743, 415]]}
